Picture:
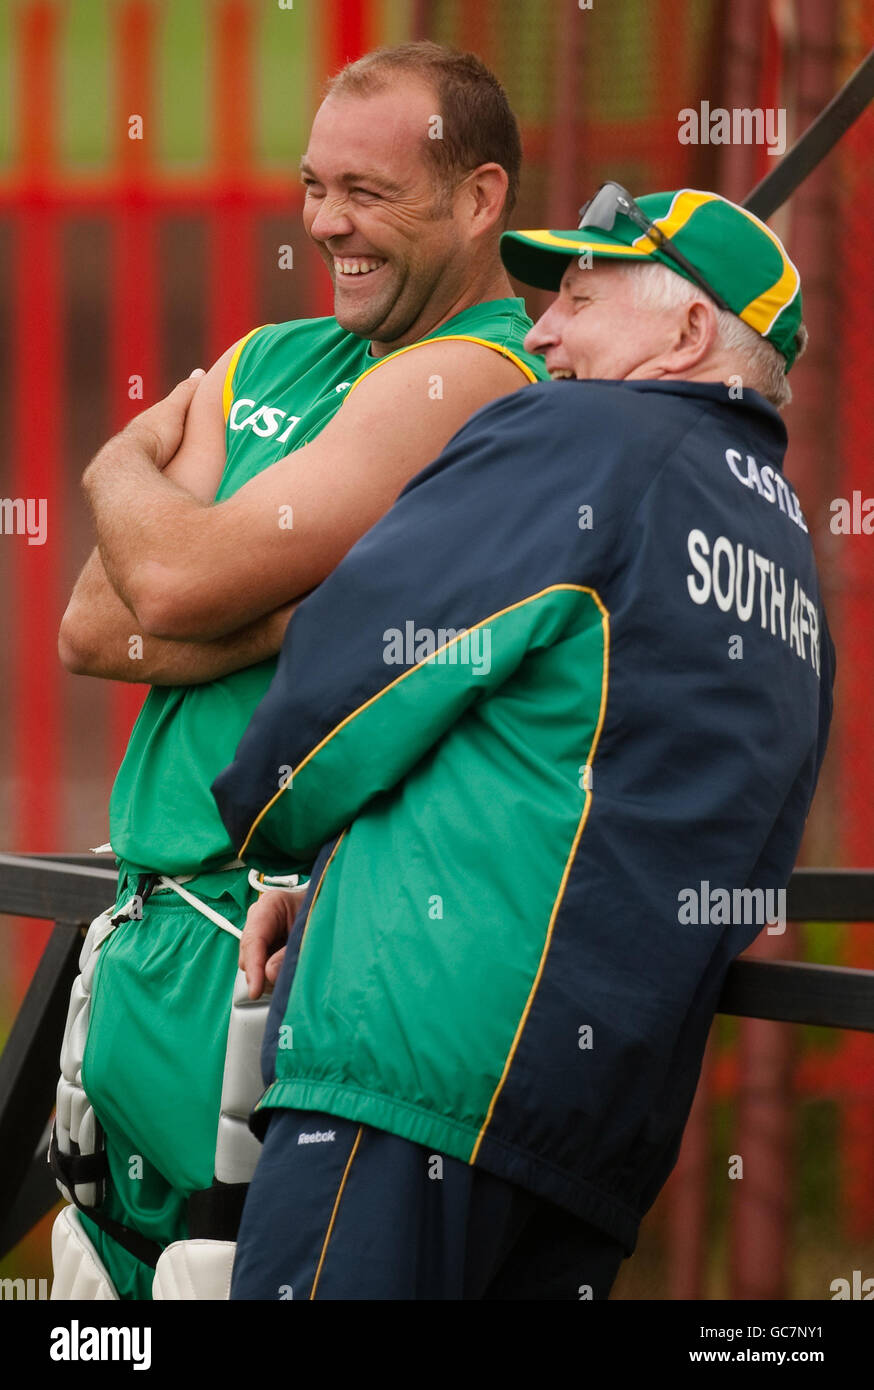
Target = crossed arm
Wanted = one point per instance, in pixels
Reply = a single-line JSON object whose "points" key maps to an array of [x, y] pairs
{"points": [[210, 587], [101, 636], [194, 571]]}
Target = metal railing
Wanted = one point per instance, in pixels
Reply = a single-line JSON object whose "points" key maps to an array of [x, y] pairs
{"points": [[70, 890]]}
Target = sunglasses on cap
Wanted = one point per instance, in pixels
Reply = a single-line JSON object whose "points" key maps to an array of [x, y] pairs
{"points": [[600, 212]]}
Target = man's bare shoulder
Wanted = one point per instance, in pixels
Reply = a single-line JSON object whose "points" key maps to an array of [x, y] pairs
{"points": [[440, 368]]}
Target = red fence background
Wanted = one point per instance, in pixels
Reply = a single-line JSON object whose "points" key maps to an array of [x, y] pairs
{"points": [[138, 268]]}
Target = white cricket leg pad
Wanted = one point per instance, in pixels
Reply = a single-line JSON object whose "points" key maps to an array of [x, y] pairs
{"points": [[78, 1130], [79, 1273], [195, 1269], [237, 1150], [76, 1126]]}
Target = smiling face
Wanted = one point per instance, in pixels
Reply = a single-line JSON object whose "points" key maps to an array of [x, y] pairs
{"points": [[375, 209], [594, 329]]}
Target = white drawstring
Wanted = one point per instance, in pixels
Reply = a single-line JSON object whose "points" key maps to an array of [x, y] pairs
{"points": [[263, 882], [209, 912]]}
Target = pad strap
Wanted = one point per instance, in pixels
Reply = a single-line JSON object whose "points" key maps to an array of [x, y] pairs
{"points": [[73, 1168], [214, 1212]]}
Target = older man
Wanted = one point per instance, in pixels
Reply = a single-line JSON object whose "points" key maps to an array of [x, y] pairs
{"points": [[426, 330], [613, 705]]}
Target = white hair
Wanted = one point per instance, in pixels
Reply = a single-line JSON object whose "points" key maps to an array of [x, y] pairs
{"points": [[655, 286]]}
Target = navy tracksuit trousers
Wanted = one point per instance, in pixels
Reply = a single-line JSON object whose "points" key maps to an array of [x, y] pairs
{"points": [[338, 1210]]}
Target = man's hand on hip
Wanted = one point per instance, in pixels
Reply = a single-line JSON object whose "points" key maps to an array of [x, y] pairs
{"points": [[262, 946]]}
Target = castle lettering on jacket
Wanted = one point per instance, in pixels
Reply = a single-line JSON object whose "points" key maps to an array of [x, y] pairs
{"points": [[768, 483]]}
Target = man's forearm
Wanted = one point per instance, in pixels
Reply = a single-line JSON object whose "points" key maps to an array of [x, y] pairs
{"points": [[133, 504], [100, 637], [166, 662]]}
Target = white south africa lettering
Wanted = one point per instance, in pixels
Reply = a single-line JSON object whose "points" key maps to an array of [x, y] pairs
{"points": [[738, 578]]}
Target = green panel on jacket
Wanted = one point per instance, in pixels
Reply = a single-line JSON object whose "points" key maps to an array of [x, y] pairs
{"points": [[458, 992]]}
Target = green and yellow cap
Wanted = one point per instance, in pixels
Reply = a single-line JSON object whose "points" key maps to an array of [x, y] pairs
{"points": [[741, 258]]}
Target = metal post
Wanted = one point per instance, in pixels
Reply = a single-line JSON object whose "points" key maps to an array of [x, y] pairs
{"points": [[29, 1064], [687, 1196]]}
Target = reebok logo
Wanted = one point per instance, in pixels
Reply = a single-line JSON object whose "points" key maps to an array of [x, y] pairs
{"points": [[318, 1136]]}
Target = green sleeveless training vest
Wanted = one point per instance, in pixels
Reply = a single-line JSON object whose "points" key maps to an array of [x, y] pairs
{"points": [[286, 383]]}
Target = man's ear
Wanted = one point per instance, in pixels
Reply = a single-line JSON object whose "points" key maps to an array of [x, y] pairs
{"points": [[696, 335], [485, 193]]}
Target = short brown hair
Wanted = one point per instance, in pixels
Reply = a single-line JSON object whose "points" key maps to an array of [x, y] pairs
{"points": [[478, 122]]}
